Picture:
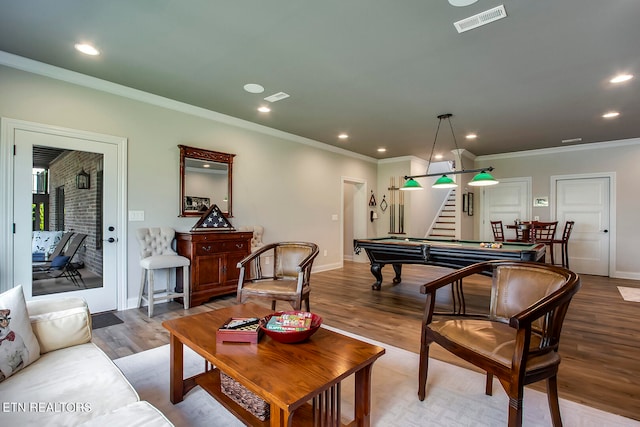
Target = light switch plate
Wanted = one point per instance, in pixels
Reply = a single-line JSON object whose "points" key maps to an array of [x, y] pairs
{"points": [[136, 215]]}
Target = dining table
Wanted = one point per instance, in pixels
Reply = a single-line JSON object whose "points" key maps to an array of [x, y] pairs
{"points": [[523, 230]]}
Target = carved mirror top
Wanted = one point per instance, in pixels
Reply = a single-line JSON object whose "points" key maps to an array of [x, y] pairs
{"points": [[205, 180]]}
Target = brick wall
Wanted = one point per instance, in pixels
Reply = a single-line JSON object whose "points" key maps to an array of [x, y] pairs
{"points": [[82, 208]]}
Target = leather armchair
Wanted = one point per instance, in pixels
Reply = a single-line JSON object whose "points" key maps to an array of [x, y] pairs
{"points": [[290, 281], [518, 340]]}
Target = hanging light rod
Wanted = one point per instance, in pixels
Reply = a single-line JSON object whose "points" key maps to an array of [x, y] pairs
{"points": [[489, 169], [481, 179]]}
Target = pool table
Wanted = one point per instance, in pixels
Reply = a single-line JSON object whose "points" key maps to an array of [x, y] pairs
{"points": [[442, 252]]}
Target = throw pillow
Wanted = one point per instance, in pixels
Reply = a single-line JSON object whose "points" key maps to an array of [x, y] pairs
{"points": [[18, 344], [59, 262]]}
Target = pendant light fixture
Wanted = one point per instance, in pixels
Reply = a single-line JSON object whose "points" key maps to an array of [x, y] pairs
{"points": [[481, 179]]}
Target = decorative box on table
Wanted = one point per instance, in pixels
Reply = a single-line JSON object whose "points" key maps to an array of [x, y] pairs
{"points": [[240, 329]]}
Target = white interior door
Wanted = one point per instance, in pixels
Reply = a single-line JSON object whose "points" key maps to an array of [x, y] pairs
{"points": [[106, 234], [587, 202], [506, 201]]}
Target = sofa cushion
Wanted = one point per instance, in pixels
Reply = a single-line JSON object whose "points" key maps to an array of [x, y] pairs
{"points": [[18, 345], [60, 323], [66, 387]]}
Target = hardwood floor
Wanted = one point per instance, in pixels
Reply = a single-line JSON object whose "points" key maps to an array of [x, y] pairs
{"points": [[599, 347]]}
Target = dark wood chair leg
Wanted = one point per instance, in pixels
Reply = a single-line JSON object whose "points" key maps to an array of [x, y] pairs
{"points": [[552, 397], [273, 305], [488, 389], [515, 411], [423, 371]]}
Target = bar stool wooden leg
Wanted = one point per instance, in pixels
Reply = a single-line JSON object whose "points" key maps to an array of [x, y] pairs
{"points": [[185, 287]]}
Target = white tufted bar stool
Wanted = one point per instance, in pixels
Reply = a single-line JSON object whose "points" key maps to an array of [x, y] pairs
{"points": [[156, 253]]}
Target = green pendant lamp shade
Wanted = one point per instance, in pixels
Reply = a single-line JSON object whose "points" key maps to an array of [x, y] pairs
{"points": [[482, 179], [411, 184], [444, 182]]}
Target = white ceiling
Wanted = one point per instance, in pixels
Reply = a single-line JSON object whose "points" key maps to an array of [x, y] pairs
{"points": [[379, 70]]}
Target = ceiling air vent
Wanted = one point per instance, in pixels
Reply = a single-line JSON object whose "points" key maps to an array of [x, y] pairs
{"points": [[480, 19], [277, 97]]}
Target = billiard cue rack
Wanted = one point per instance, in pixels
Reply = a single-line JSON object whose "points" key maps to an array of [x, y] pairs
{"points": [[396, 205]]}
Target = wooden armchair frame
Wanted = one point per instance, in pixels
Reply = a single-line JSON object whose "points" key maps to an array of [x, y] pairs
{"points": [[292, 263], [528, 337]]}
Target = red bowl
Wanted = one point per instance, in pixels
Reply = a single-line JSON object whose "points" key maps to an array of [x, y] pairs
{"points": [[289, 337]]}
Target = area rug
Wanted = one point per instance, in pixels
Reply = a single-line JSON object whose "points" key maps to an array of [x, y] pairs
{"points": [[629, 294], [455, 396], [103, 320]]}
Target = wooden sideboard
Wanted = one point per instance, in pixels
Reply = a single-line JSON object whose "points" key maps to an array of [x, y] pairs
{"points": [[214, 256]]}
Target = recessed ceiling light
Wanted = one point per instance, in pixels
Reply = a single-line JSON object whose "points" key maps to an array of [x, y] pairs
{"points": [[253, 88], [461, 3], [438, 157], [206, 165], [621, 78], [87, 49], [264, 109], [382, 150], [471, 136], [343, 136], [610, 114], [566, 141]]}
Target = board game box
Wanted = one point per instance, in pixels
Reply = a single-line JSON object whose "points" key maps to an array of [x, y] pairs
{"points": [[240, 329]]}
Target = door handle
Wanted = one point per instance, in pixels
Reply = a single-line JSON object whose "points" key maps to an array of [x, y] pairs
{"points": [[110, 240], [605, 231]]}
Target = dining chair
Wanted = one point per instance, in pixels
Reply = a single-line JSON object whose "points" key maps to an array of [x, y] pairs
{"points": [[290, 281], [518, 341], [564, 242], [545, 232], [498, 231], [157, 254]]}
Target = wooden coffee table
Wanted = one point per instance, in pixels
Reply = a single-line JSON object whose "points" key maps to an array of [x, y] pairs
{"points": [[287, 376]]}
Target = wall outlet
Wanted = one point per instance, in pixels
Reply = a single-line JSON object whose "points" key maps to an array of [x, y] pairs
{"points": [[325, 252], [334, 217], [536, 218]]}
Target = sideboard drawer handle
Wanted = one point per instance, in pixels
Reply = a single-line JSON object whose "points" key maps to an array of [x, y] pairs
{"points": [[206, 248], [239, 245]]}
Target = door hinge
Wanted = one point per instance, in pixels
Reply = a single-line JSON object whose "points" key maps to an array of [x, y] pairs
{"points": [[14, 228], [14, 149]]}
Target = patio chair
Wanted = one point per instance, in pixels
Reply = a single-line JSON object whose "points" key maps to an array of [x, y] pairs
{"points": [[62, 265]]}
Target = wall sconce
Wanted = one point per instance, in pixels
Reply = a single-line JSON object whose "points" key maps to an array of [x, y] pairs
{"points": [[373, 215], [82, 180]]}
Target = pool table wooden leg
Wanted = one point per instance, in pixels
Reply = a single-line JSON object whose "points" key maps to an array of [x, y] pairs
{"points": [[376, 270], [397, 268]]}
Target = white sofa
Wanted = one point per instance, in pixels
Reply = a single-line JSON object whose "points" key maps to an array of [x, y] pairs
{"points": [[73, 383]]}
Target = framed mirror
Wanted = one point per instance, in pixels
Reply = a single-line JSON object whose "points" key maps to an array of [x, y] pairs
{"points": [[205, 180]]}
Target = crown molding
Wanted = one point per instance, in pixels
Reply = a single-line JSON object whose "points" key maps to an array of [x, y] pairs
{"points": [[568, 149], [73, 77]]}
